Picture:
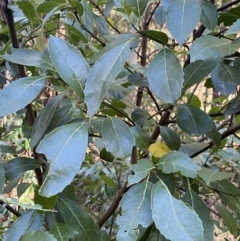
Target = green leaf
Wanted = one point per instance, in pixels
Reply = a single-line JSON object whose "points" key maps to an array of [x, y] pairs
{"points": [[166, 3], [233, 106], [87, 18], [193, 121], [160, 16], [19, 165], [141, 170], [62, 231], [43, 119], [117, 137], [191, 198], [135, 210], [75, 217], [138, 5], [178, 161], [7, 149], [156, 36], [234, 29], [2, 179], [141, 137], [196, 71], [209, 14], [139, 116], [165, 76], [226, 187], [20, 93], [31, 220], [172, 140], [215, 136], [46, 7], [28, 10], [100, 79], [182, 18], [29, 57], [173, 218], [229, 73], [210, 47], [70, 64], [46, 203], [193, 148], [209, 175], [38, 235], [228, 219], [67, 153], [102, 25]]}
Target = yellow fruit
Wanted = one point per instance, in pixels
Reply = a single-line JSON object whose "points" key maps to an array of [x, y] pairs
{"points": [[158, 149]]}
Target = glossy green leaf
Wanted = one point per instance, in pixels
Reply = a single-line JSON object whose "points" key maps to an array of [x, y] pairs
{"points": [[209, 14], [77, 218], [160, 16], [117, 137], [43, 120], [182, 18], [29, 57], [193, 121], [2, 179], [178, 161], [172, 140], [7, 149], [65, 156], [210, 47], [70, 64], [233, 106], [234, 29], [141, 137], [135, 210], [197, 71], [228, 219], [156, 36], [209, 175], [100, 79], [62, 231], [31, 220], [141, 170], [28, 10], [38, 235], [170, 212], [165, 76], [20, 93], [138, 5], [219, 82], [191, 198], [18, 166]]}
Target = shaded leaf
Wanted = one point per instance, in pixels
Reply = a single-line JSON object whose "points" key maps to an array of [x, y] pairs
{"points": [[225, 186], [46, 203], [160, 16], [229, 73], [165, 76], [117, 137], [191, 198], [108, 7], [38, 235], [141, 137], [172, 140], [209, 175], [215, 136], [235, 28], [170, 212], [62, 231], [29, 57], [139, 116], [233, 106], [87, 18], [31, 220], [156, 36], [65, 156], [177, 161], [102, 25], [75, 217], [43, 120], [70, 64], [135, 210], [210, 47], [20, 93], [2, 179], [141, 170], [182, 18], [228, 219], [193, 148], [139, 6], [193, 121], [100, 79], [46, 7], [196, 71], [7, 149], [19, 165], [209, 14]]}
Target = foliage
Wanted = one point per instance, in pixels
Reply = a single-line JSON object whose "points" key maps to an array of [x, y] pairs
{"points": [[120, 120]]}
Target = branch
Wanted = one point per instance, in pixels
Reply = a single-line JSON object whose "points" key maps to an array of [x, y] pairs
{"points": [[9, 208]]}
